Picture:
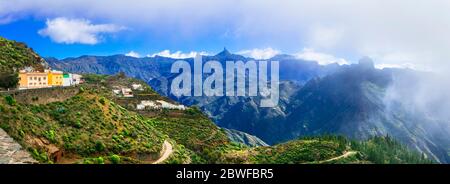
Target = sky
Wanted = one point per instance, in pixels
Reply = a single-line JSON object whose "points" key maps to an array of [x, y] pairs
{"points": [[401, 33]]}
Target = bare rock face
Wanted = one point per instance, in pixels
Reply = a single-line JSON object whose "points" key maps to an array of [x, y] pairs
{"points": [[54, 153], [11, 152], [244, 138]]}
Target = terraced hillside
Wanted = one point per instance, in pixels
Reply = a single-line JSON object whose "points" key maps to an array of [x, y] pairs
{"points": [[16, 55], [86, 125], [90, 124]]}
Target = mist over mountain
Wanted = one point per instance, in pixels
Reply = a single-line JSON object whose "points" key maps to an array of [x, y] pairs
{"points": [[358, 101]]}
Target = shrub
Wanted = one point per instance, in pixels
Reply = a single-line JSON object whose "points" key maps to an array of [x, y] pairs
{"points": [[193, 110], [99, 146], [102, 100], [5, 126], [50, 135], [99, 160], [115, 159], [10, 100], [88, 161], [21, 133], [78, 124], [8, 80]]}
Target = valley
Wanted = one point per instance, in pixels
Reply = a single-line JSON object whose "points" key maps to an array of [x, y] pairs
{"points": [[90, 124], [349, 100]]}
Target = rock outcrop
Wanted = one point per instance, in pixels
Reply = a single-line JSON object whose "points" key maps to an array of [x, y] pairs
{"points": [[11, 152]]}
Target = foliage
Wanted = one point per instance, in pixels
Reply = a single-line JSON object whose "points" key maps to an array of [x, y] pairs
{"points": [[115, 159], [8, 79], [15, 55], [81, 126], [95, 128], [385, 150], [10, 100], [322, 149], [196, 133]]}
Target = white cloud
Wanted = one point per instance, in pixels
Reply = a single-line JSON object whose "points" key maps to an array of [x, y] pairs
{"points": [[354, 28], [321, 58], [177, 54], [324, 37], [266, 53], [70, 31], [386, 65], [133, 54]]}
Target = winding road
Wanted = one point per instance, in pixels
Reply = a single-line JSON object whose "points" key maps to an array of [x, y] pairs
{"points": [[167, 148], [345, 155]]}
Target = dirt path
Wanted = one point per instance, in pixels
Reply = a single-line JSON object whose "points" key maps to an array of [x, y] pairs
{"points": [[167, 148], [11, 152], [345, 155]]}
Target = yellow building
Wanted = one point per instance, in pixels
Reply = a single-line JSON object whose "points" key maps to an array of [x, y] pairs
{"points": [[33, 80], [55, 78]]}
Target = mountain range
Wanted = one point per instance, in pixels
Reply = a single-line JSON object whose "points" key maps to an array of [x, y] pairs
{"points": [[350, 100]]}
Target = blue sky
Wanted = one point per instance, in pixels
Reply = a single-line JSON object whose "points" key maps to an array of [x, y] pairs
{"points": [[121, 42], [394, 34]]}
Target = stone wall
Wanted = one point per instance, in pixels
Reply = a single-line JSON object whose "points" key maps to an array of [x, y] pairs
{"points": [[43, 95], [11, 152]]}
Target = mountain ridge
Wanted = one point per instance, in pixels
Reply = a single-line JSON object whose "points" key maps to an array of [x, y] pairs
{"points": [[299, 79], [92, 125]]}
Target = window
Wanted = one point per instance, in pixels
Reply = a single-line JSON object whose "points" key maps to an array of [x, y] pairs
{"points": [[35, 78]]}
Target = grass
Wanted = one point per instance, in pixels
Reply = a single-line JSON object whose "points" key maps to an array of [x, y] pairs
{"points": [[16, 55], [85, 125]]}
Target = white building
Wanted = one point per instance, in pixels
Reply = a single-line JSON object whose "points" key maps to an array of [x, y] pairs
{"points": [[159, 104], [67, 79], [137, 87], [167, 105], [76, 79], [126, 92], [117, 91], [140, 107]]}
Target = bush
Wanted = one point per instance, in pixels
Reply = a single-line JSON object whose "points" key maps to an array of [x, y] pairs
{"points": [[5, 126], [115, 159], [193, 110], [50, 135], [78, 124], [99, 146], [99, 160], [10, 100], [8, 80], [102, 100], [88, 161], [21, 133]]}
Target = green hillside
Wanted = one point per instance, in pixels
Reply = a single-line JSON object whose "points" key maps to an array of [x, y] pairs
{"points": [[93, 125], [86, 125], [328, 150], [195, 132], [16, 55]]}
